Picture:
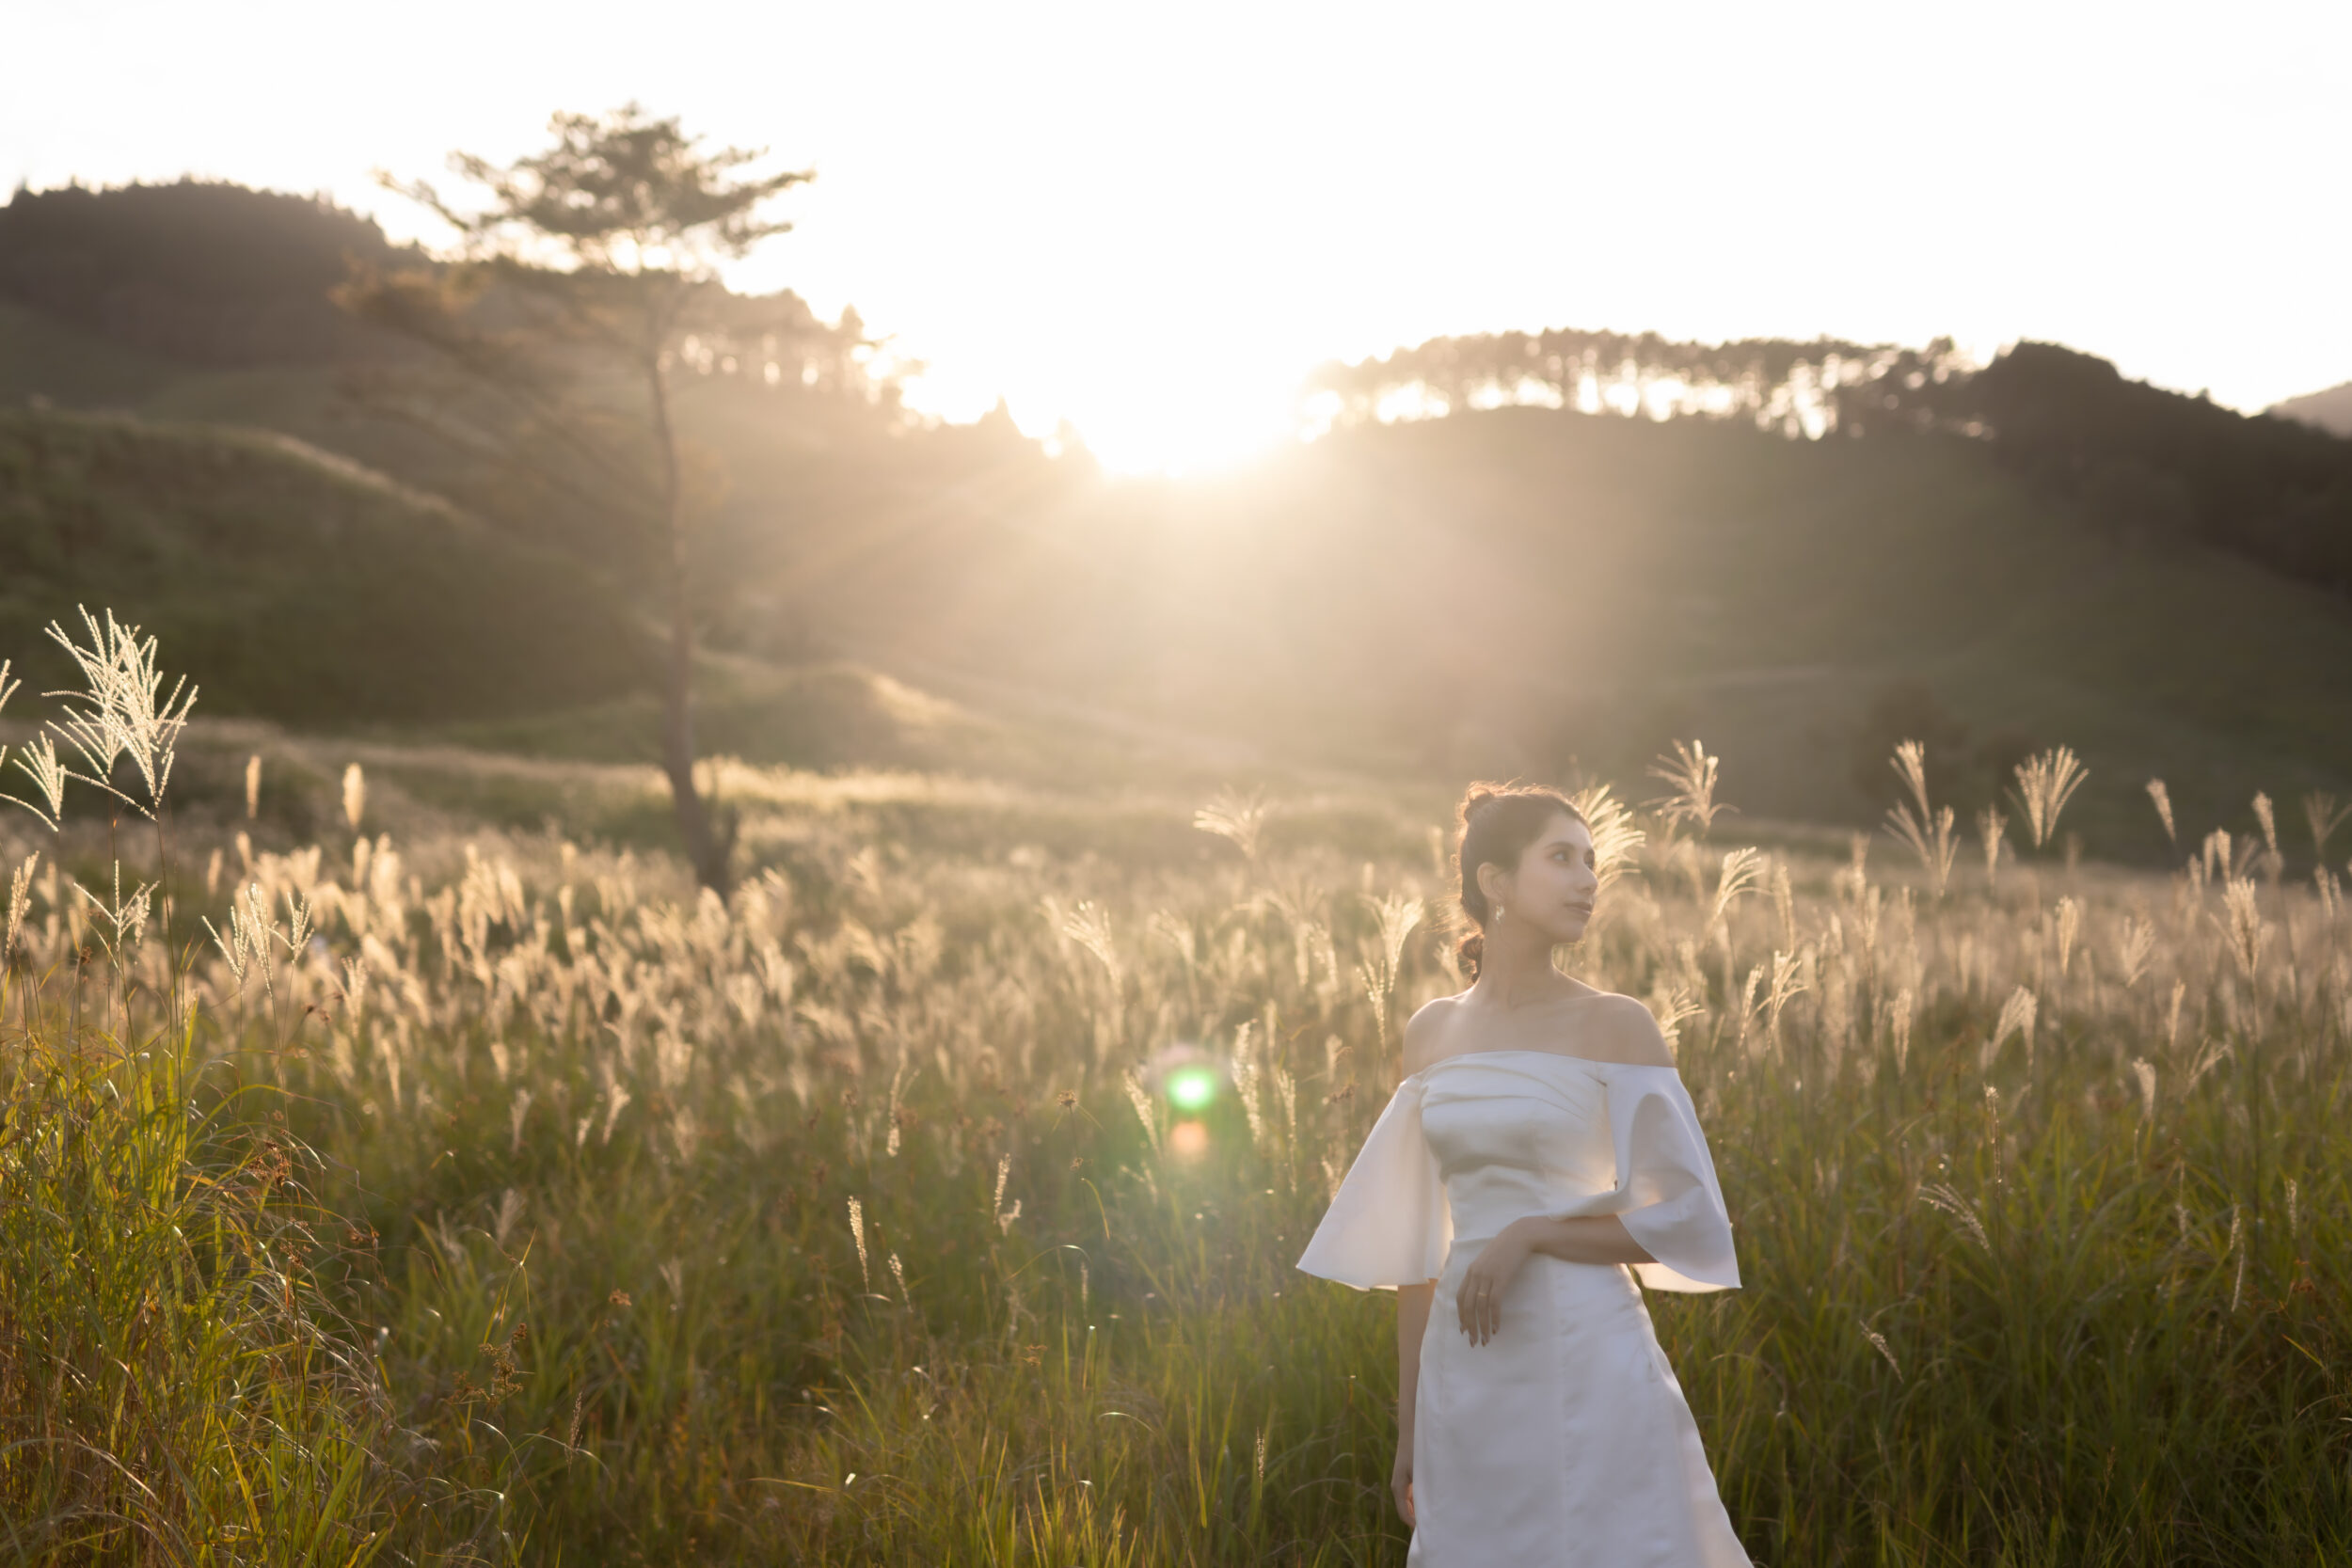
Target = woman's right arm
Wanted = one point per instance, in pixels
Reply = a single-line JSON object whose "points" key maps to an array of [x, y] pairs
{"points": [[1412, 1321]]}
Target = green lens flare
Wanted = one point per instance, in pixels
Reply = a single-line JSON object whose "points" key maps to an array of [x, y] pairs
{"points": [[1192, 1087]]}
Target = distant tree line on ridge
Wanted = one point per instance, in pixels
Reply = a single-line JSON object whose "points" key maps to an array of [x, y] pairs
{"points": [[2139, 460], [215, 275], [1800, 389]]}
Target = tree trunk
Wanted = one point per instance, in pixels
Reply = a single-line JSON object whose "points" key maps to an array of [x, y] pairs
{"points": [[707, 847]]}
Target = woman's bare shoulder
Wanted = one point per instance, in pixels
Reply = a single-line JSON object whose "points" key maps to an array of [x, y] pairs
{"points": [[1621, 1029], [1429, 1024]]}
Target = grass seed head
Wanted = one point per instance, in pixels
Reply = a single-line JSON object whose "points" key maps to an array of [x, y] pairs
{"points": [[1692, 775], [857, 1230], [2324, 814], [1235, 816], [2044, 784], [2163, 800]]}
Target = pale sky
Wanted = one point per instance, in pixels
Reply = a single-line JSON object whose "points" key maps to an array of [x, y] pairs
{"points": [[1150, 220]]}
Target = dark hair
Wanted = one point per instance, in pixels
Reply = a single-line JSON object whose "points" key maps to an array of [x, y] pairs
{"points": [[1497, 823]]}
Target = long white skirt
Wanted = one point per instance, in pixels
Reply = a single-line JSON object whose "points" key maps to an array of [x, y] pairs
{"points": [[1563, 1440]]}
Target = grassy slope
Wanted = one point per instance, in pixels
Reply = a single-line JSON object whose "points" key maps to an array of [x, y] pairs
{"points": [[1525, 591], [1826, 570], [44, 357], [2174, 660], [290, 582], [798, 704], [1600, 585]]}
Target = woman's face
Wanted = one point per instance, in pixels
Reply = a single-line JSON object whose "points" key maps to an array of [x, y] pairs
{"points": [[1553, 886]]}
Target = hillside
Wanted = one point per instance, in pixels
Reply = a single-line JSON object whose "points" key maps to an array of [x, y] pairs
{"points": [[2330, 410], [203, 272], [1517, 591], [290, 582], [1525, 590], [1521, 590]]}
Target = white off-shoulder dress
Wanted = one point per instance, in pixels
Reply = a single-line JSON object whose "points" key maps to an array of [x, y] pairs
{"points": [[1565, 1439]]}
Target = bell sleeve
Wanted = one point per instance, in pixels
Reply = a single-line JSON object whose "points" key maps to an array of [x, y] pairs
{"points": [[1666, 1195], [1389, 1223]]}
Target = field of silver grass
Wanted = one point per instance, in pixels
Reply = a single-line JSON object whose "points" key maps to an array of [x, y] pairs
{"points": [[936, 1199]]}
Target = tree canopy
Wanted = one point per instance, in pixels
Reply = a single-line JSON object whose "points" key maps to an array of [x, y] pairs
{"points": [[199, 271]]}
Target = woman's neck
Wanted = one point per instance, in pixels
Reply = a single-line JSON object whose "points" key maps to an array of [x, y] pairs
{"points": [[1513, 972]]}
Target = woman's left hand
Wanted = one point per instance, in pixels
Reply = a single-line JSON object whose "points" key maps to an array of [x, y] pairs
{"points": [[1480, 1296]]}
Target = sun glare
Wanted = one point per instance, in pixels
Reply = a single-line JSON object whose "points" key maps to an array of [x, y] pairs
{"points": [[1169, 423], [1180, 428]]}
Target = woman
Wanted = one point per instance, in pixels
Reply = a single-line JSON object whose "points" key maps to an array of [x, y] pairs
{"points": [[1540, 1154]]}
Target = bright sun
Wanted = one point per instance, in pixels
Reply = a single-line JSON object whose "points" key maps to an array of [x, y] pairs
{"points": [[1164, 413], [1172, 428]]}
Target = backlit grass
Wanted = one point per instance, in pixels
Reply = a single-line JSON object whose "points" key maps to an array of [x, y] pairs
{"points": [[852, 1222]]}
